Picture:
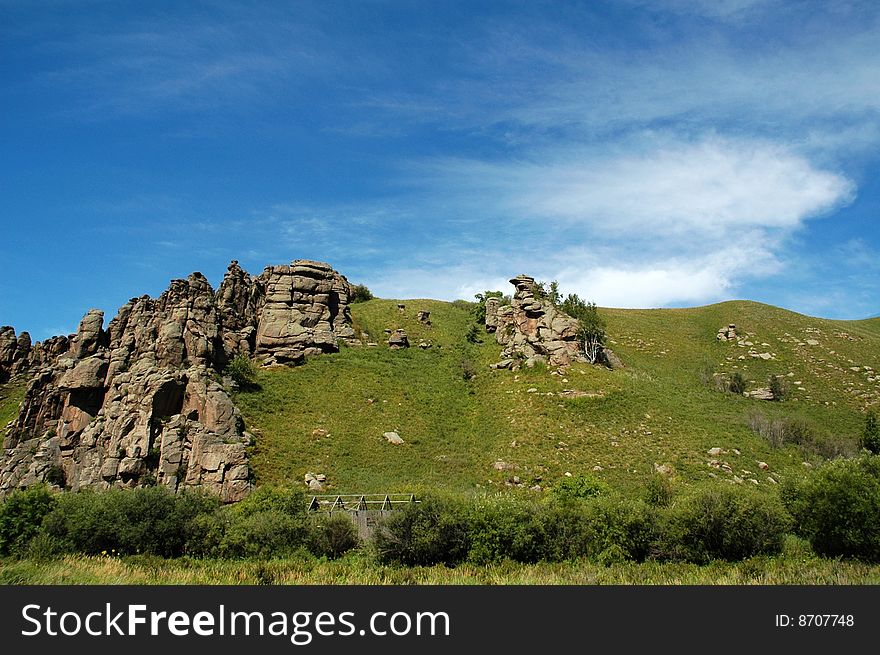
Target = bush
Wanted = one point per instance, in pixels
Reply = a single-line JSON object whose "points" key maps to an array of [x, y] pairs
{"points": [[473, 334], [242, 371], [778, 387], [262, 535], [126, 521], [726, 523], [797, 431], [837, 508], [620, 530], [658, 491], [265, 499], [591, 326], [434, 531], [738, 384], [333, 536], [468, 369], [56, 475], [360, 293], [871, 435], [503, 528], [580, 486], [21, 516]]}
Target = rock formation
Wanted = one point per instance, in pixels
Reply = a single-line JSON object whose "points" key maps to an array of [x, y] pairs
{"points": [[138, 403], [533, 330], [398, 340], [15, 352], [726, 333]]}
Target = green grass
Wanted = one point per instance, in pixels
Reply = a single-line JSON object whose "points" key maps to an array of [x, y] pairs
{"points": [[11, 395], [655, 411], [328, 416], [797, 565]]}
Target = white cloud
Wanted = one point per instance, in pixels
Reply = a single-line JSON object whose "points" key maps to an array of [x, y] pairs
{"points": [[703, 189]]}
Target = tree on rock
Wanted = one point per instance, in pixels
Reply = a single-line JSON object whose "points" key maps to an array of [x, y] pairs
{"points": [[591, 326]]}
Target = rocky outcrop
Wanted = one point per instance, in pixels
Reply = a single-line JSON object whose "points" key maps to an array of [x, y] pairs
{"points": [[303, 310], [726, 333], [138, 403], [533, 330], [15, 352]]}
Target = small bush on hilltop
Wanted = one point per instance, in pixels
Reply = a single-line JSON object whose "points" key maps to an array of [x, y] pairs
{"points": [[360, 293], [837, 508], [778, 387], [738, 384]]}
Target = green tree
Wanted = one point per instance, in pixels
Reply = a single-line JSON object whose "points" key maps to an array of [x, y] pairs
{"points": [[360, 293], [480, 307], [591, 326]]}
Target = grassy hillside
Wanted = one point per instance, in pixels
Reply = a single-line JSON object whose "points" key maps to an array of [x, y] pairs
{"points": [[11, 395], [328, 416]]}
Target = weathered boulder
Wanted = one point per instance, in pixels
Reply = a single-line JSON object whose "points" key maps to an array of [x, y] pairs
{"points": [[393, 438], [398, 340], [302, 306]]}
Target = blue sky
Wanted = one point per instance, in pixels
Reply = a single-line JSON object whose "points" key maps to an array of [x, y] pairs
{"points": [[643, 153]]}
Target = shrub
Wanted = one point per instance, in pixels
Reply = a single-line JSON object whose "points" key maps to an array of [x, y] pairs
{"points": [[580, 486], [127, 521], [619, 529], [797, 431], [473, 334], [262, 535], [771, 430], [56, 475], [738, 384], [333, 536], [468, 369], [434, 531], [871, 434], [591, 326], [565, 530], [503, 528], [778, 387], [360, 293], [726, 523], [658, 491], [837, 508], [242, 371], [21, 515], [264, 499]]}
